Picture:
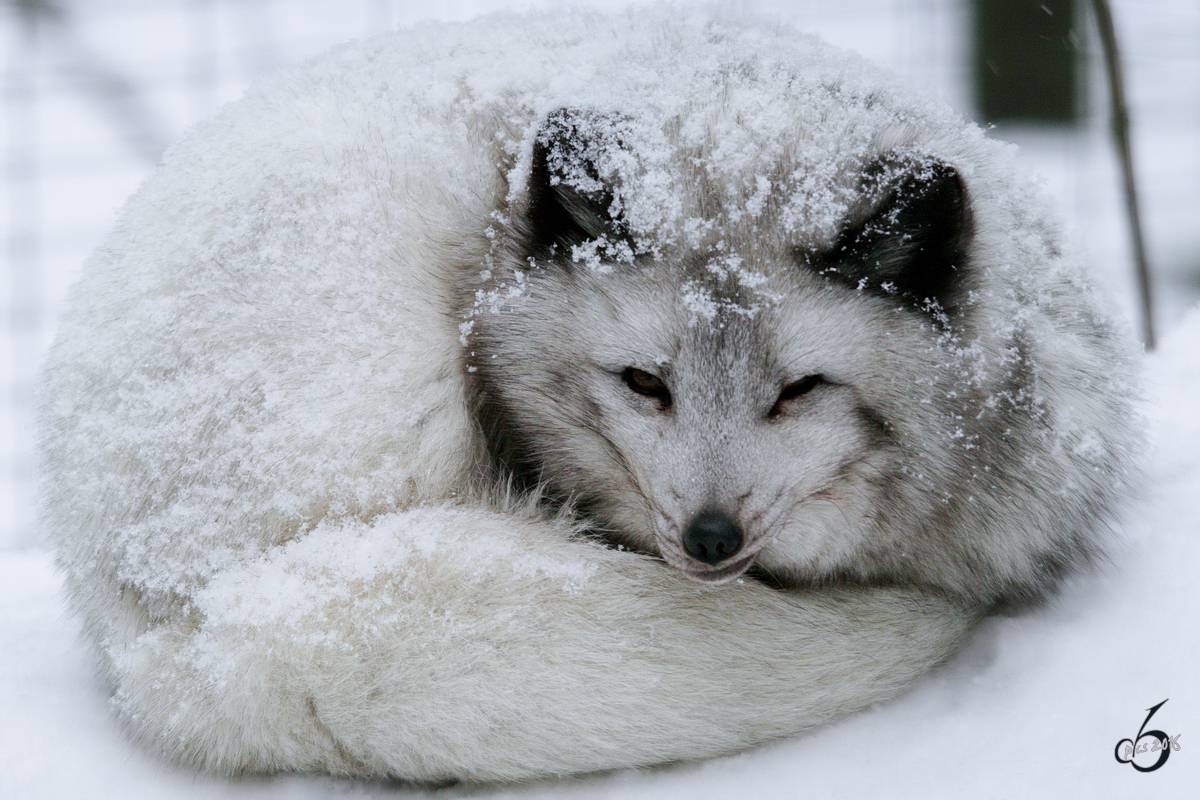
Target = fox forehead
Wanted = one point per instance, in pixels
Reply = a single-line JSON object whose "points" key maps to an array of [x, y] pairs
{"points": [[671, 319]]}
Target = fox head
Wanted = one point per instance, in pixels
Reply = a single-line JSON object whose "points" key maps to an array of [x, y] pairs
{"points": [[729, 391]]}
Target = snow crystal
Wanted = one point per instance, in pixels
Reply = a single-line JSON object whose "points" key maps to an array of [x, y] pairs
{"points": [[699, 303]]}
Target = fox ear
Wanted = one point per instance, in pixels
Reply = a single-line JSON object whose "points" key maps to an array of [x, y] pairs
{"points": [[572, 193], [914, 244]]}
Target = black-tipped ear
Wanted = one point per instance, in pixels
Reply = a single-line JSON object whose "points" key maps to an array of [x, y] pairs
{"points": [[914, 244], [571, 193]]}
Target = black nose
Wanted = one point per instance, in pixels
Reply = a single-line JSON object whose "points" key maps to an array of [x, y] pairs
{"points": [[711, 537]]}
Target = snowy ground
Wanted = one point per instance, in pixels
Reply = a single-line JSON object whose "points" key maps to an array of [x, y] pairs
{"points": [[1033, 707]]}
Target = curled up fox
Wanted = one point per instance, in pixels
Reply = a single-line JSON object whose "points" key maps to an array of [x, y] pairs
{"points": [[557, 393]]}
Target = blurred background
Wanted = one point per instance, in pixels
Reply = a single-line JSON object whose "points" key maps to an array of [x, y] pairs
{"points": [[95, 90]]}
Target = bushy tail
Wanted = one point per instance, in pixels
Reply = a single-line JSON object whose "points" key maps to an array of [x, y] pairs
{"points": [[461, 642]]}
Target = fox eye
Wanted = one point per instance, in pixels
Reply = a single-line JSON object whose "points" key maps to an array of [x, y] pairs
{"points": [[644, 383], [793, 390]]}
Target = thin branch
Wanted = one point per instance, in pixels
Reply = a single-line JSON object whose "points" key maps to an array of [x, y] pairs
{"points": [[1120, 129]]}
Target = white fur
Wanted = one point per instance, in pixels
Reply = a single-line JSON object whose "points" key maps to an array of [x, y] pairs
{"points": [[261, 470], [457, 642]]}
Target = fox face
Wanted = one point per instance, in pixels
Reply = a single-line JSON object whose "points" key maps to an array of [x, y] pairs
{"points": [[742, 401]]}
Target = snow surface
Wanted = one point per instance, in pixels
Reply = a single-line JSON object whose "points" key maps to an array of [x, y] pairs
{"points": [[1034, 706]]}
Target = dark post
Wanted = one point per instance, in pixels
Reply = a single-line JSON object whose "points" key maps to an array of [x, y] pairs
{"points": [[1027, 61]]}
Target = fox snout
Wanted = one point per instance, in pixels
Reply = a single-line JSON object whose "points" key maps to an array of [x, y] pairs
{"points": [[717, 542], [712, 537]]}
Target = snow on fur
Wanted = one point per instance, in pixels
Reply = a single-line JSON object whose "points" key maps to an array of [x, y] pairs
{"points": [[261, 466]]}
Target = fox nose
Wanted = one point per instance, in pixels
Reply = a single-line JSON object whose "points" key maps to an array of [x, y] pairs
{"points": [[712, 537]]}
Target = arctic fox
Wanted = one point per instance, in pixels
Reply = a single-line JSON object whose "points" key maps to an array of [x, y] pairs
{"points": [[414, 409]]}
